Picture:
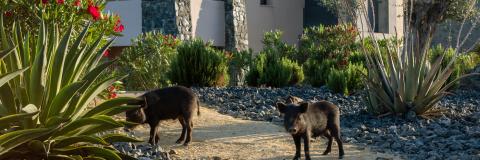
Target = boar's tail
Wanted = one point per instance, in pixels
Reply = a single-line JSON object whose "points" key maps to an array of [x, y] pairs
{"points": [[198, 107]]}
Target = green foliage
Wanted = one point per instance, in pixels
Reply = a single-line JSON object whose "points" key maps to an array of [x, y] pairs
{"points": [[239, 65], [30, 13], [273, 67], [199, 64], [346, 80], [147, 61], [273, 43], [317, 71], [329, 53], [462, 65], [407, 83], [338, 81], [333, 42], [47, 85]]}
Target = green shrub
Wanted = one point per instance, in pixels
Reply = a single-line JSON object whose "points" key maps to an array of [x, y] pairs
{"points": [[356, 74], [329, 53], [256, 70], [45, 113], [333, 42], [199, 64], [239, 66], [338, 80], [317, 72], [462, 65], [147, 61], [346, 80], [273, 67]]}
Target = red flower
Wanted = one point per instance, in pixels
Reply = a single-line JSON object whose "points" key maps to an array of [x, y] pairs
{"points": [[45, 1], [7, 14], [93, 10], [106, 53], [60, 1], [77, 3], [118, 26], [113, 95]]}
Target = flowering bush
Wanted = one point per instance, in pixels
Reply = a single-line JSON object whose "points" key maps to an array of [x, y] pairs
{"points": [[63, 13]]}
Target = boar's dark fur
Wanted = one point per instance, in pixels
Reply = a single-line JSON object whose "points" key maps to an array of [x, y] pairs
{"points": [[167, 103], [304, 120]]}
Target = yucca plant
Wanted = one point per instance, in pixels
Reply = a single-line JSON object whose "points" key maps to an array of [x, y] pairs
{"points": [[44, 111], [405, 81]]}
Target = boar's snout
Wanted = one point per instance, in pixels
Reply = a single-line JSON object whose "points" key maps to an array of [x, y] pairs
{"points": [[292, 130]]}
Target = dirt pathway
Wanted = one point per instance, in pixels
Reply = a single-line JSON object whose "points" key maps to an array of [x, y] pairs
{"points": [[217, 136]]}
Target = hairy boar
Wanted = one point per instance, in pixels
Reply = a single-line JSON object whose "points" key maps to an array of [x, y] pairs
{"points": [[305, 120], [176, 102]]}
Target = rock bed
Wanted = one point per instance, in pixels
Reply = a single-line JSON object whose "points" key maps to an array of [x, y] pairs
{"points": [[455, 135], [141, 151]]}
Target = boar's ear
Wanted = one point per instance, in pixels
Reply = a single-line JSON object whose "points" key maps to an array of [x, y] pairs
{"points": [[281, 107], [304, 107]]}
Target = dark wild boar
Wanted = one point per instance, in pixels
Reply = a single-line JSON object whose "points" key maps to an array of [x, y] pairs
{"points": [[162, 104], [305, 120]]}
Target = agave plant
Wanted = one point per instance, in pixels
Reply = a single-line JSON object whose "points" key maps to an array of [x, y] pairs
{"points": [[404, 81], [47, 85]]}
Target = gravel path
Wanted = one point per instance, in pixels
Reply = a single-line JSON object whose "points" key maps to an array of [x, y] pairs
{"points": [[217, 136]]}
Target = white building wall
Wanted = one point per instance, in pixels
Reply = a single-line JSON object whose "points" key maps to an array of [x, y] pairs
{"points": [[130, 12], [208, 20], [285, 15]]}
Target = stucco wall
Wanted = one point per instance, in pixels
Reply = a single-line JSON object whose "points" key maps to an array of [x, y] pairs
{"points": [[131, 15], [208, 20], [285, 15]]}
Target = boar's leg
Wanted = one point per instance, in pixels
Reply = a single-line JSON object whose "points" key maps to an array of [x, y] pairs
{"points": [[153, 132], [330, 140], [189, 124], [184, 130], [298, 146], [335, 131], [306, 146]]}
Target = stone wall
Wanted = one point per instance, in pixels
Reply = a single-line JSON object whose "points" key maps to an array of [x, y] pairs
{"points": [[184, 25], [159, 15], [236, 33], [167, 16]]}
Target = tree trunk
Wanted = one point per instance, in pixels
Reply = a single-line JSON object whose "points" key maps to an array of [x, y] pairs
{"points": [[424, 17]]}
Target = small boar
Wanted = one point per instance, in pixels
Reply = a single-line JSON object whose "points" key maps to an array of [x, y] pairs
{"points": [[162, 104], [305, 120]]}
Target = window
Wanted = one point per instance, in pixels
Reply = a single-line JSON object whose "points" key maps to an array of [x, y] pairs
{"points": [[378, 15], [265, 2]]}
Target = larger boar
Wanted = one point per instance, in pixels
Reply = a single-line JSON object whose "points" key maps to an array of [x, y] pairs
{"points": [[304, 120], [162, 104]]}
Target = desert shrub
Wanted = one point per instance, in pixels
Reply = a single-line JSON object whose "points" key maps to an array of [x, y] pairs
{"points": [[327, 53], [337, 81], [462, 65], [346, 80], [238, 67], [333, 42], [317, 71], [147, 61], [45, 113], [199, 64], [273, 43], [273, 67]]}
